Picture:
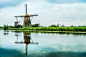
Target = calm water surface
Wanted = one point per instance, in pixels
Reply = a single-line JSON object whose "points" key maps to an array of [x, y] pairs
{"points": [[21, 44]]}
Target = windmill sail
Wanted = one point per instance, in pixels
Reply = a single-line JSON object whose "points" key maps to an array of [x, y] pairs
{"points": [[26, 8]]}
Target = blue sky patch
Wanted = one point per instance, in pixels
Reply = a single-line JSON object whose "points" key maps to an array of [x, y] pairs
{"points": [[10, 3], [66, 1]]}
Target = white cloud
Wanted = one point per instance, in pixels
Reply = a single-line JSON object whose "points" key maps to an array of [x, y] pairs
{"points": [[68, 14]]}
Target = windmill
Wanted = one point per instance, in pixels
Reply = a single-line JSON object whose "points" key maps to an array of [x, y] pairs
{"points": [[26, 21], [58, 24], [63, 25], [27, 41], [16, 23]]}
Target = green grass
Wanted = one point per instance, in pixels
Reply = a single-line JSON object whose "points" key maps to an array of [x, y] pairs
{"points": [[1, 28], [81, 29]]}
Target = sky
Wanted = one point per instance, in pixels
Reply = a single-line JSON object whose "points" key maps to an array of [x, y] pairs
{"points": [[64, 12]]}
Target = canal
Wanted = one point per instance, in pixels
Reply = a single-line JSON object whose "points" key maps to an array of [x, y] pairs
{"points": [[33, 44]]}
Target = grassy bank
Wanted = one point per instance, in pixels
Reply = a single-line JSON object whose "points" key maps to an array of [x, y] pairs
{"points": [[1, 28], [80, 29]]}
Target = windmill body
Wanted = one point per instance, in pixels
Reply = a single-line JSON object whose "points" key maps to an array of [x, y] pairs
{"points": [[26, 21], [16, 24]]}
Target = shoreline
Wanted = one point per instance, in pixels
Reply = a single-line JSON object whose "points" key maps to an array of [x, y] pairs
{"points": [[68, 30], [76, 32]]}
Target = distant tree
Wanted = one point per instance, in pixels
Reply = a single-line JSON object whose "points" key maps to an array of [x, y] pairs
{"points": [[35, 25], [71, 26], [57, 26], [81, 26], [5, 27], [11, 26], [1, 27], [52, 26], [20, 26]]}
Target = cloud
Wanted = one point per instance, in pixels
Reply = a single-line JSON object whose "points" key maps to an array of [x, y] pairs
{"points": [[48, 13]]}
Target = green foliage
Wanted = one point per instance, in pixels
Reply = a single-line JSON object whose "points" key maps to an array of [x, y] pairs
{"points": [[1, 27], [6, 27], [52, 26], [35, 25], [11, 27], [30, 21], [57, 26], [71, 26], [20, 26]]}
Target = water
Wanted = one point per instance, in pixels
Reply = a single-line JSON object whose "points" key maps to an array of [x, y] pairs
{"points": [[12, 44]]}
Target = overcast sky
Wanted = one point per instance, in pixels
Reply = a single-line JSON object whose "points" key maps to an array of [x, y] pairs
{"points": [[67, 12]]}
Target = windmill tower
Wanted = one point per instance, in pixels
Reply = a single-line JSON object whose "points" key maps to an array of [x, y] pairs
{"points": [[27, 21]]}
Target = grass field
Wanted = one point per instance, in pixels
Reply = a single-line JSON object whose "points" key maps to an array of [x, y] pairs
{"points": [[82, 29]]}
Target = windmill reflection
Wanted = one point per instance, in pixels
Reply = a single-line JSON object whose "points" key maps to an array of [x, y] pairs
{"points": [[27, 40]]}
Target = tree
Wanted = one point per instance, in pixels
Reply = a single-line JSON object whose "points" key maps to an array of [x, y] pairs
{"points": [[57, 26], [35, 25], [5, 27], [11, 26], [52, 26], [71, 26], [1, 27]]}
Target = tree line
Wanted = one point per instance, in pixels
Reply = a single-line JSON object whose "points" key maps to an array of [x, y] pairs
{"points": [[5, 27]]}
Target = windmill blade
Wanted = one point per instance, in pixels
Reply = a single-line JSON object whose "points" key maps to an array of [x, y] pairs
{"points": [[31, 15], [26, 49], [23, 43], [21, 16], [18, 16], [33, 43], [26, 8], [19, 42]]}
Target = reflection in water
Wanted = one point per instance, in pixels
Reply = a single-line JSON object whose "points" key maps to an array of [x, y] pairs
{"points": [[61, 33], [27, 40], [53, 44], [51, 54], [6, 32], [64, 33]]}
